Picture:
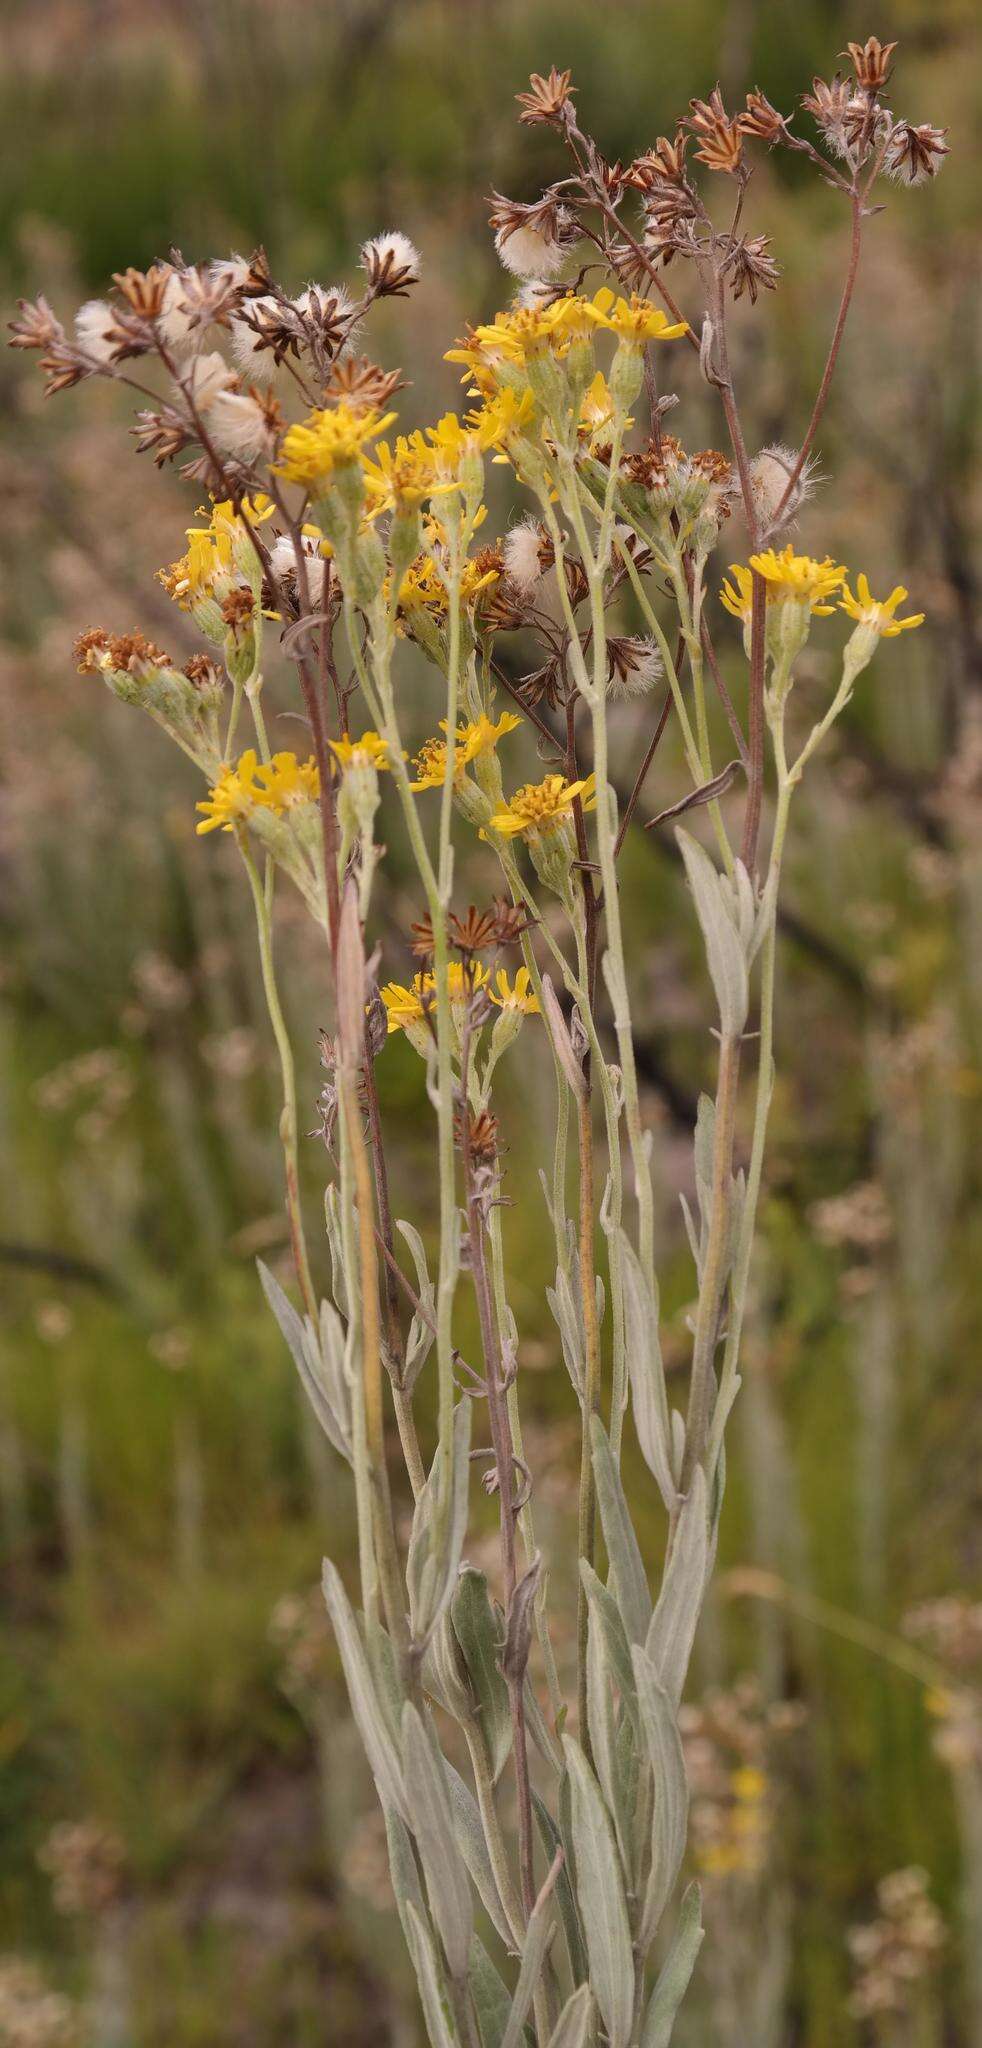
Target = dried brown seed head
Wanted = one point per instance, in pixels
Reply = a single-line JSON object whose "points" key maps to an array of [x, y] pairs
{"points": [[546, 98], [871, 63]]}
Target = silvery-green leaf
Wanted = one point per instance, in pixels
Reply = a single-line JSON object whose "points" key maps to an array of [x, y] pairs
{"points": [[480, 1634], [439, 1528], [673, 1624], [744, 903], [553, 1839], [539, 1729], [419, 1342], [431, 1820], [434, 1996], [370, 1721], [704, 1146], [474, 1849], [618, 1648], [671, 1792], [492, 1998], [333, 1354], [444, 1672], [695, 1242], [642, 1345], [617, 991], [538, 1935], [600, 1894], [603, 1730], [403, 1868], [573, 2024], [305, 1352], [676, 1971], [384, 1667], [725, 953], [633, 1596], [565, 1307]]}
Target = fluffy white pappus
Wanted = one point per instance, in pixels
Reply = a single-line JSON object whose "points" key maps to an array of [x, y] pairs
{"points": [[238, 426], [245, 343], [394, 251], [527, 252], [770, 474], [232, 271], [282, 555], [92, 322], [534, 294], [207, 377], [520, 549], [174, 319], [635, 666]]}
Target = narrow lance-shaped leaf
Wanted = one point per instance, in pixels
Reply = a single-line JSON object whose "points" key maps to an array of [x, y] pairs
{"points": [[725, 953], [573, 2024], [382, 1757], [542, 1920], [670, 1793], [431, 1819], [480, 1635], [474, 1849], [439, 1528], [673, 1624], [633, 1596], [491, 1996], [600, 1893], [642, 1346], [676, 1972], [305, 1351], [433, 1993]]}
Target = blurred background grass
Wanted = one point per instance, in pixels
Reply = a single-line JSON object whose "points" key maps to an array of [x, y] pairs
{"points": [[188, 1848]]}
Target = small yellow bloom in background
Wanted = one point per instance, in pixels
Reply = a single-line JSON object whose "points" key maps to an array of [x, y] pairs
{"points": [[211, 549], [800, 577], [405, 1006], [401, 476], [520, 995], [479, 736], [597, 407], [326, 439], [635, 320], [369, 747], [737, 597], [543, 806], [748, 1784], [865, 609]]}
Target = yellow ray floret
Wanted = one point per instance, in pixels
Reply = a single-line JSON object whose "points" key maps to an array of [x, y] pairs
{"points": [[636, 320], [800, 577], [315, 447], [210, 549], [478, 736], [865, 609], [520, 995], [542, 806]]}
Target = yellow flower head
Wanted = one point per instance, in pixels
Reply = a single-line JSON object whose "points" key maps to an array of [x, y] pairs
{"points": [[520, 995], [284, 782], [542, 806], [635, 320], [369, 748], [479, 736], [277, 785], [423, 586], [211, 549], [403, 475], [800, 577], [737, 596], [597, 406], [867, 612], [410, 1005], [325, 440]]}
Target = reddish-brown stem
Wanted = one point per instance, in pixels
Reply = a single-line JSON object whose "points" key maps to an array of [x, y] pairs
{"points": [[639, 780], [723, 693], [832, 357]]}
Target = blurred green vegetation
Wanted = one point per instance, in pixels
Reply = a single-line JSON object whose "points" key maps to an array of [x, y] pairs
{"points": [[160, 1487]]}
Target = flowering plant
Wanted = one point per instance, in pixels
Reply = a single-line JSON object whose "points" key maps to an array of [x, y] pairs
{"points": [[344, 544]]}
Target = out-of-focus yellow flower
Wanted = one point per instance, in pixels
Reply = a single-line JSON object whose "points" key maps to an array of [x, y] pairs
{"points": [[478, 736], [410, 1005], [370, 747], [865, 609], [597, 407], [542, 806], [800, 577], [519, 995], [423, 586], [315, 447]]}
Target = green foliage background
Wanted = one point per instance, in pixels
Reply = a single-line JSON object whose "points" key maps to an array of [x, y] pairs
{"points": [[159, 1487]]}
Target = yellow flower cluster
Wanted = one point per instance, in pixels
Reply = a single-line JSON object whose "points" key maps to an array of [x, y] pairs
{"points": [[277, 785], [423, 589], [519, 336], [543, 806], [429, 462], [478, 736], [410, 1005], [805, 580], [326, 440]]}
